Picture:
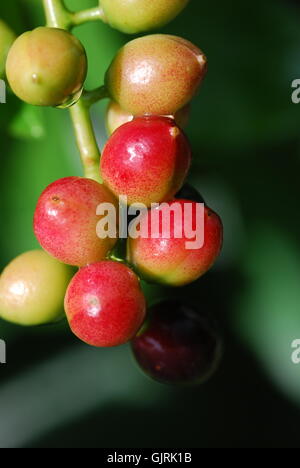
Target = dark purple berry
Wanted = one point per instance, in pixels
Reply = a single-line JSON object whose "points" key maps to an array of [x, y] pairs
{"points": [[178, 345]]}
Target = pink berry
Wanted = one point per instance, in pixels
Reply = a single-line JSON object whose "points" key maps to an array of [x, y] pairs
{"points": [[65, 221], [166, 258], [104, 304], [156, 74], [146, 159]]}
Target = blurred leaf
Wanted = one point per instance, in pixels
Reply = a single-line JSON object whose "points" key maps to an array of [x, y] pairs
{"points": [[28, 123], [267, 314]]}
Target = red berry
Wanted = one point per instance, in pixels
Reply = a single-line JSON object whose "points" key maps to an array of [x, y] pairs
{"points": [[104, 304], [65, 221], [166, 258], [146, 159], [178, 345]]}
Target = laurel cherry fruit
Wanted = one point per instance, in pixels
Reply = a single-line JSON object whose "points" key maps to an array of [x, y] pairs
{"points": [[135, 16], [177, 345], [65, 220], [168, 257], [146, 160], [47, 67], [105, 305], [156, 74], [32, 289]]}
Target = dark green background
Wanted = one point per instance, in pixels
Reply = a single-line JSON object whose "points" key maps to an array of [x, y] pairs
{"points": [[245, 132]]}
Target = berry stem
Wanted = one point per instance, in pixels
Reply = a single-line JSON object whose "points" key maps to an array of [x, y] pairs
{"points": [[58, 16], [84, 16], [86, 140], [95, 95]]}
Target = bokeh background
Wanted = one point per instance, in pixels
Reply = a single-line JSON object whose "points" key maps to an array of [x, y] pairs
{"points": [[245, 132]]}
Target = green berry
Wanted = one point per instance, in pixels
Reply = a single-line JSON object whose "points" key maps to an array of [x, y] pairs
{"points": [[47, 67], [134, 16], [32, 289], [157, 74], [7, 37]]}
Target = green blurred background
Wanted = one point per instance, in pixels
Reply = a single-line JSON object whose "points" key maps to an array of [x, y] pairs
{"points": [[245, 132]]}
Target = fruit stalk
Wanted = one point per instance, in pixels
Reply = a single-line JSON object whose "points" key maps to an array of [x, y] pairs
{"points": [[57, 14], [84, 16], [59, 17]]}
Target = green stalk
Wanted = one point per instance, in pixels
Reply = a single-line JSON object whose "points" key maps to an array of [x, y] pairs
{"points": [[85, 16], [58, 16]]}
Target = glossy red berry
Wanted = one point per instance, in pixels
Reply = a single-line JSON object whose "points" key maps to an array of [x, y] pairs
{"points": [[146, 159], [65, 220], [47, 67], [116, 116], [157, 74], [104, 304], [134, 16], [177, 345], [167, 258]]}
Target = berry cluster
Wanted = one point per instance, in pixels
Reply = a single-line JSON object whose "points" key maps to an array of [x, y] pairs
{"points": [[150, 83]]}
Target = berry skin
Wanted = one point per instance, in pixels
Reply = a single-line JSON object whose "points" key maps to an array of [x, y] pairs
{"points": [[134, 16], [7, 37], [105, 305], [157, 74], [65, 221], [116, 116], [47, 67], [177, 345], [32, 289], [146, 159], [166, 259]]}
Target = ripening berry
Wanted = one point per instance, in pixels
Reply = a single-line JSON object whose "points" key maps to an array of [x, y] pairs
{"points": [[146, 160], [105, 305], [65, 220], [7, 37], [32, 289], [178, 345], [157, 74], [134, 16], [169, 257], [47, 67], [116, 116]]}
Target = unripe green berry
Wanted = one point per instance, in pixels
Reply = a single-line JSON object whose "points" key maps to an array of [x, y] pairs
{"points": [[7, 37], [47, 67], [157, 74], [32, 289], [134, 16]]}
